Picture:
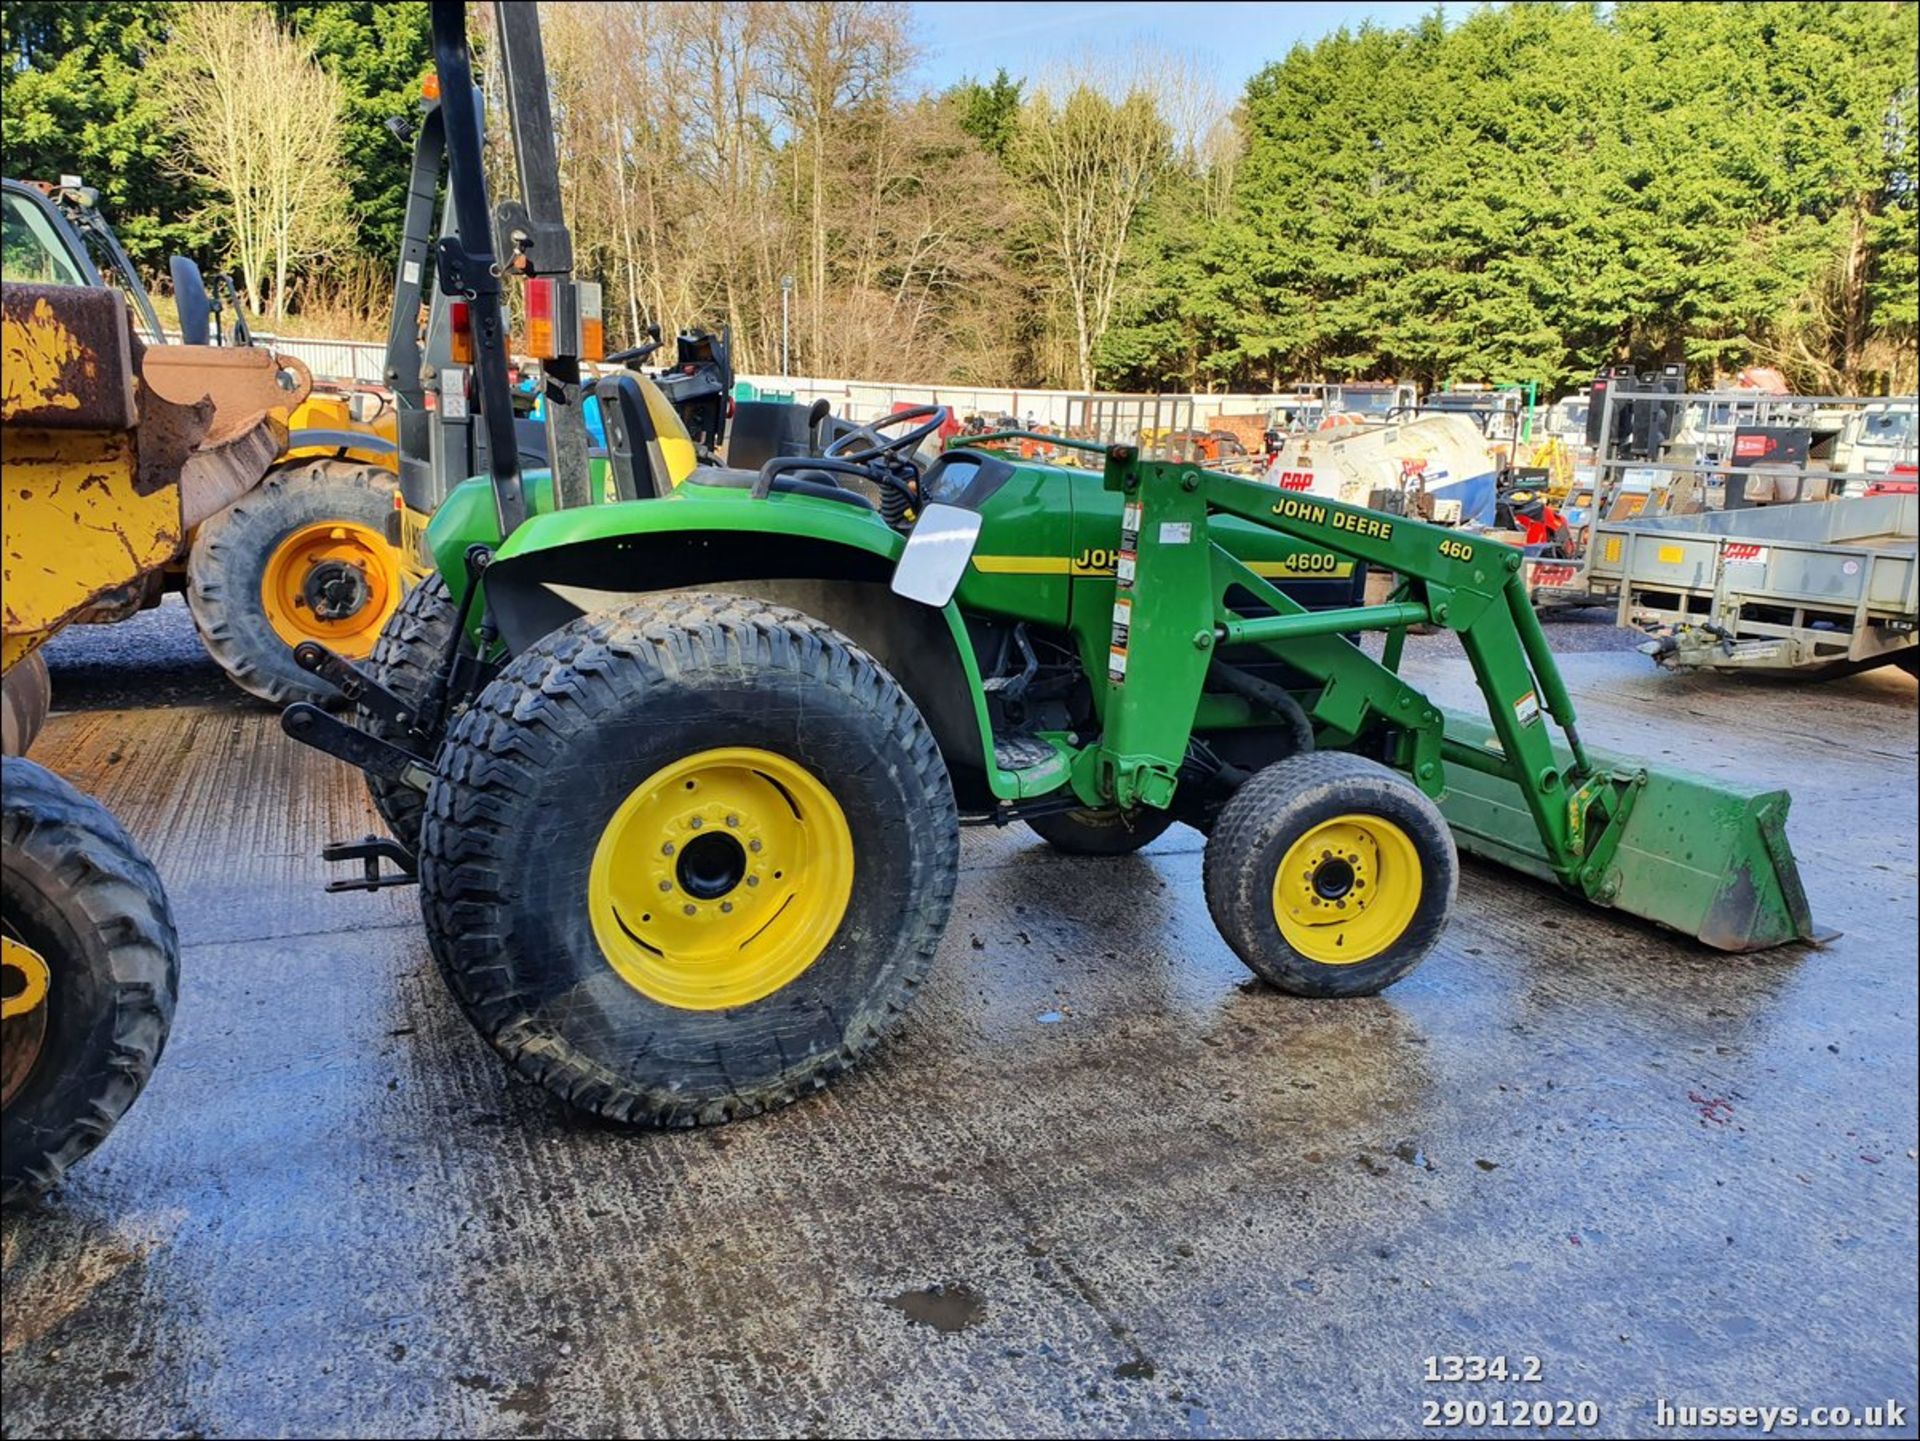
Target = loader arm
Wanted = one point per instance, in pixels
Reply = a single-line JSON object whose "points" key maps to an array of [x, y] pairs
{"points": [[1172, 611]]}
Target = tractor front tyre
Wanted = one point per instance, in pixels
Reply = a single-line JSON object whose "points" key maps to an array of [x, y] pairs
{"points": [[406, 659], [91, 969], [688, 860], [1330, 875], [1108, 832], [302, 557]]}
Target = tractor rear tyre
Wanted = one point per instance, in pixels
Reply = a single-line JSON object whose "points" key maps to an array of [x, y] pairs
{"points": [[1108, 832], [1330, 875], [303, 557], [406, 658], [688, 860], [92, 966]]}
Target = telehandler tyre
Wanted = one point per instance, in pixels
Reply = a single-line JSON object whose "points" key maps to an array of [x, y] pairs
{"points": [[405, 659], [688, 860], [1100, 833], [303, 557], [1330, 875], [92, 966]]}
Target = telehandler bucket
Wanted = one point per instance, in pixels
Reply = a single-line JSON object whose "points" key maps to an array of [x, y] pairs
{"points": [[1699, 856]]}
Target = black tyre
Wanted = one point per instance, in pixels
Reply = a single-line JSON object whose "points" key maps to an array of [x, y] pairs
{"points": [[1100, 833], [406, 658], [1330, 875], [87, 927], [302, 557], [688, 860], [26, 695]]}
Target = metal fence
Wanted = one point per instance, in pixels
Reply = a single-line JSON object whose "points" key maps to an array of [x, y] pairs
{"points": [[864, 400], [359, 362], [362, 362]]}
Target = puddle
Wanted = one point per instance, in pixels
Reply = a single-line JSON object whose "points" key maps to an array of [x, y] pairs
{"points": [[945, 1308]]}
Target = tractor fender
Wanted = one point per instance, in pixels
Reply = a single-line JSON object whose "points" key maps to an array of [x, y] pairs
{"points": [[560, 566]]}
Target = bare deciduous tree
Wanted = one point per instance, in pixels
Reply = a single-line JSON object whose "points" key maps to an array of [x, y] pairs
{"points": [[719, 146], [260, 121], [1090, 148]]}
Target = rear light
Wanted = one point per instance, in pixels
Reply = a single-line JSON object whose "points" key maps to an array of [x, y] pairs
{"points": [[430, 87], [593, 334], [540, 319], [460, 332]]}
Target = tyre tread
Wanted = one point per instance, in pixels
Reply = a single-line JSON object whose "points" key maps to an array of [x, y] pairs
{"points": [[1241, 901], [114, 889], [506, 735]]}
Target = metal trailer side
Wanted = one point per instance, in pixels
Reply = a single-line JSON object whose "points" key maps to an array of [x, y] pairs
{"points": [[1824, 584]]}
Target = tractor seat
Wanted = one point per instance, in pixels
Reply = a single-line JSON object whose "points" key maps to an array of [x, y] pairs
{"points": [[640, 470]]}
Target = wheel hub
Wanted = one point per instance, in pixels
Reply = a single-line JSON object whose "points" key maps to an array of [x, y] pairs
{"points": [[1334, 879], [336, 582], [711, 865], [335, 590], [1346, 889], [720, 878]]}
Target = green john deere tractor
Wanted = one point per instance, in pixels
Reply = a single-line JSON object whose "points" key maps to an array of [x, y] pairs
{"points": [[690, 765]]}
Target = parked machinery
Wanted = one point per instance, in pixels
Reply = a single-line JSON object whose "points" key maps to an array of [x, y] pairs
{"points": [[691, 762], [114, 451]]}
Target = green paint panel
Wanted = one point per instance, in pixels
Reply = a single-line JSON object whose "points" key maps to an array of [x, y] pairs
{"points": [[468, 517], [1700, 856]]}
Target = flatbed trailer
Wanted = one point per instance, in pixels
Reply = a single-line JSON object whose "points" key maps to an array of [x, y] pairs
{"points": [[1827, 586]]}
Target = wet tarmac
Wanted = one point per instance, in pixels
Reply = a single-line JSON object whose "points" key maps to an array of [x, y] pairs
{"points": [[1101, 1182]]}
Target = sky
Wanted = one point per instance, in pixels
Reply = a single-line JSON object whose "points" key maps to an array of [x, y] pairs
{"points": [[961, 38]]}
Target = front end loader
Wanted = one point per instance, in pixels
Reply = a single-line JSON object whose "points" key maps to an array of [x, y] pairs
{"points": [[113, 453], [689, 764]]}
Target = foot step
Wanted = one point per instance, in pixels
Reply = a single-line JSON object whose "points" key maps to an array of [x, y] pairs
{"points": [[1019, 753]]}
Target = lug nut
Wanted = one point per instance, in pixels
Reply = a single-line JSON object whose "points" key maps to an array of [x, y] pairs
{"points": [[733, 820], [691, 909], [666, 885], [753, 846], [696, 823], [667, 849]]}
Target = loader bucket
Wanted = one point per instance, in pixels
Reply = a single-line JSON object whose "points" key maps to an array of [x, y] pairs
{"points": [[1699, 856]]}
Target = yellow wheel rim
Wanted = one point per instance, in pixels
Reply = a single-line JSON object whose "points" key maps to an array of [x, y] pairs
{"points": [[1347, 889], [335, 582], [24, 982], [720, 879]]}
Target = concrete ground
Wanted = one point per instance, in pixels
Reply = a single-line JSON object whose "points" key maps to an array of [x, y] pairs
{"points": [[1100, 1183]]}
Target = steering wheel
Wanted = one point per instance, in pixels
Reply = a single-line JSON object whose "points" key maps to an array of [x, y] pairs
{"points": [[633, 355], [877, 446]]}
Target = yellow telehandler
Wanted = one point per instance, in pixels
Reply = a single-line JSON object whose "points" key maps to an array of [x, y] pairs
{"points": [[306, 557]]}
